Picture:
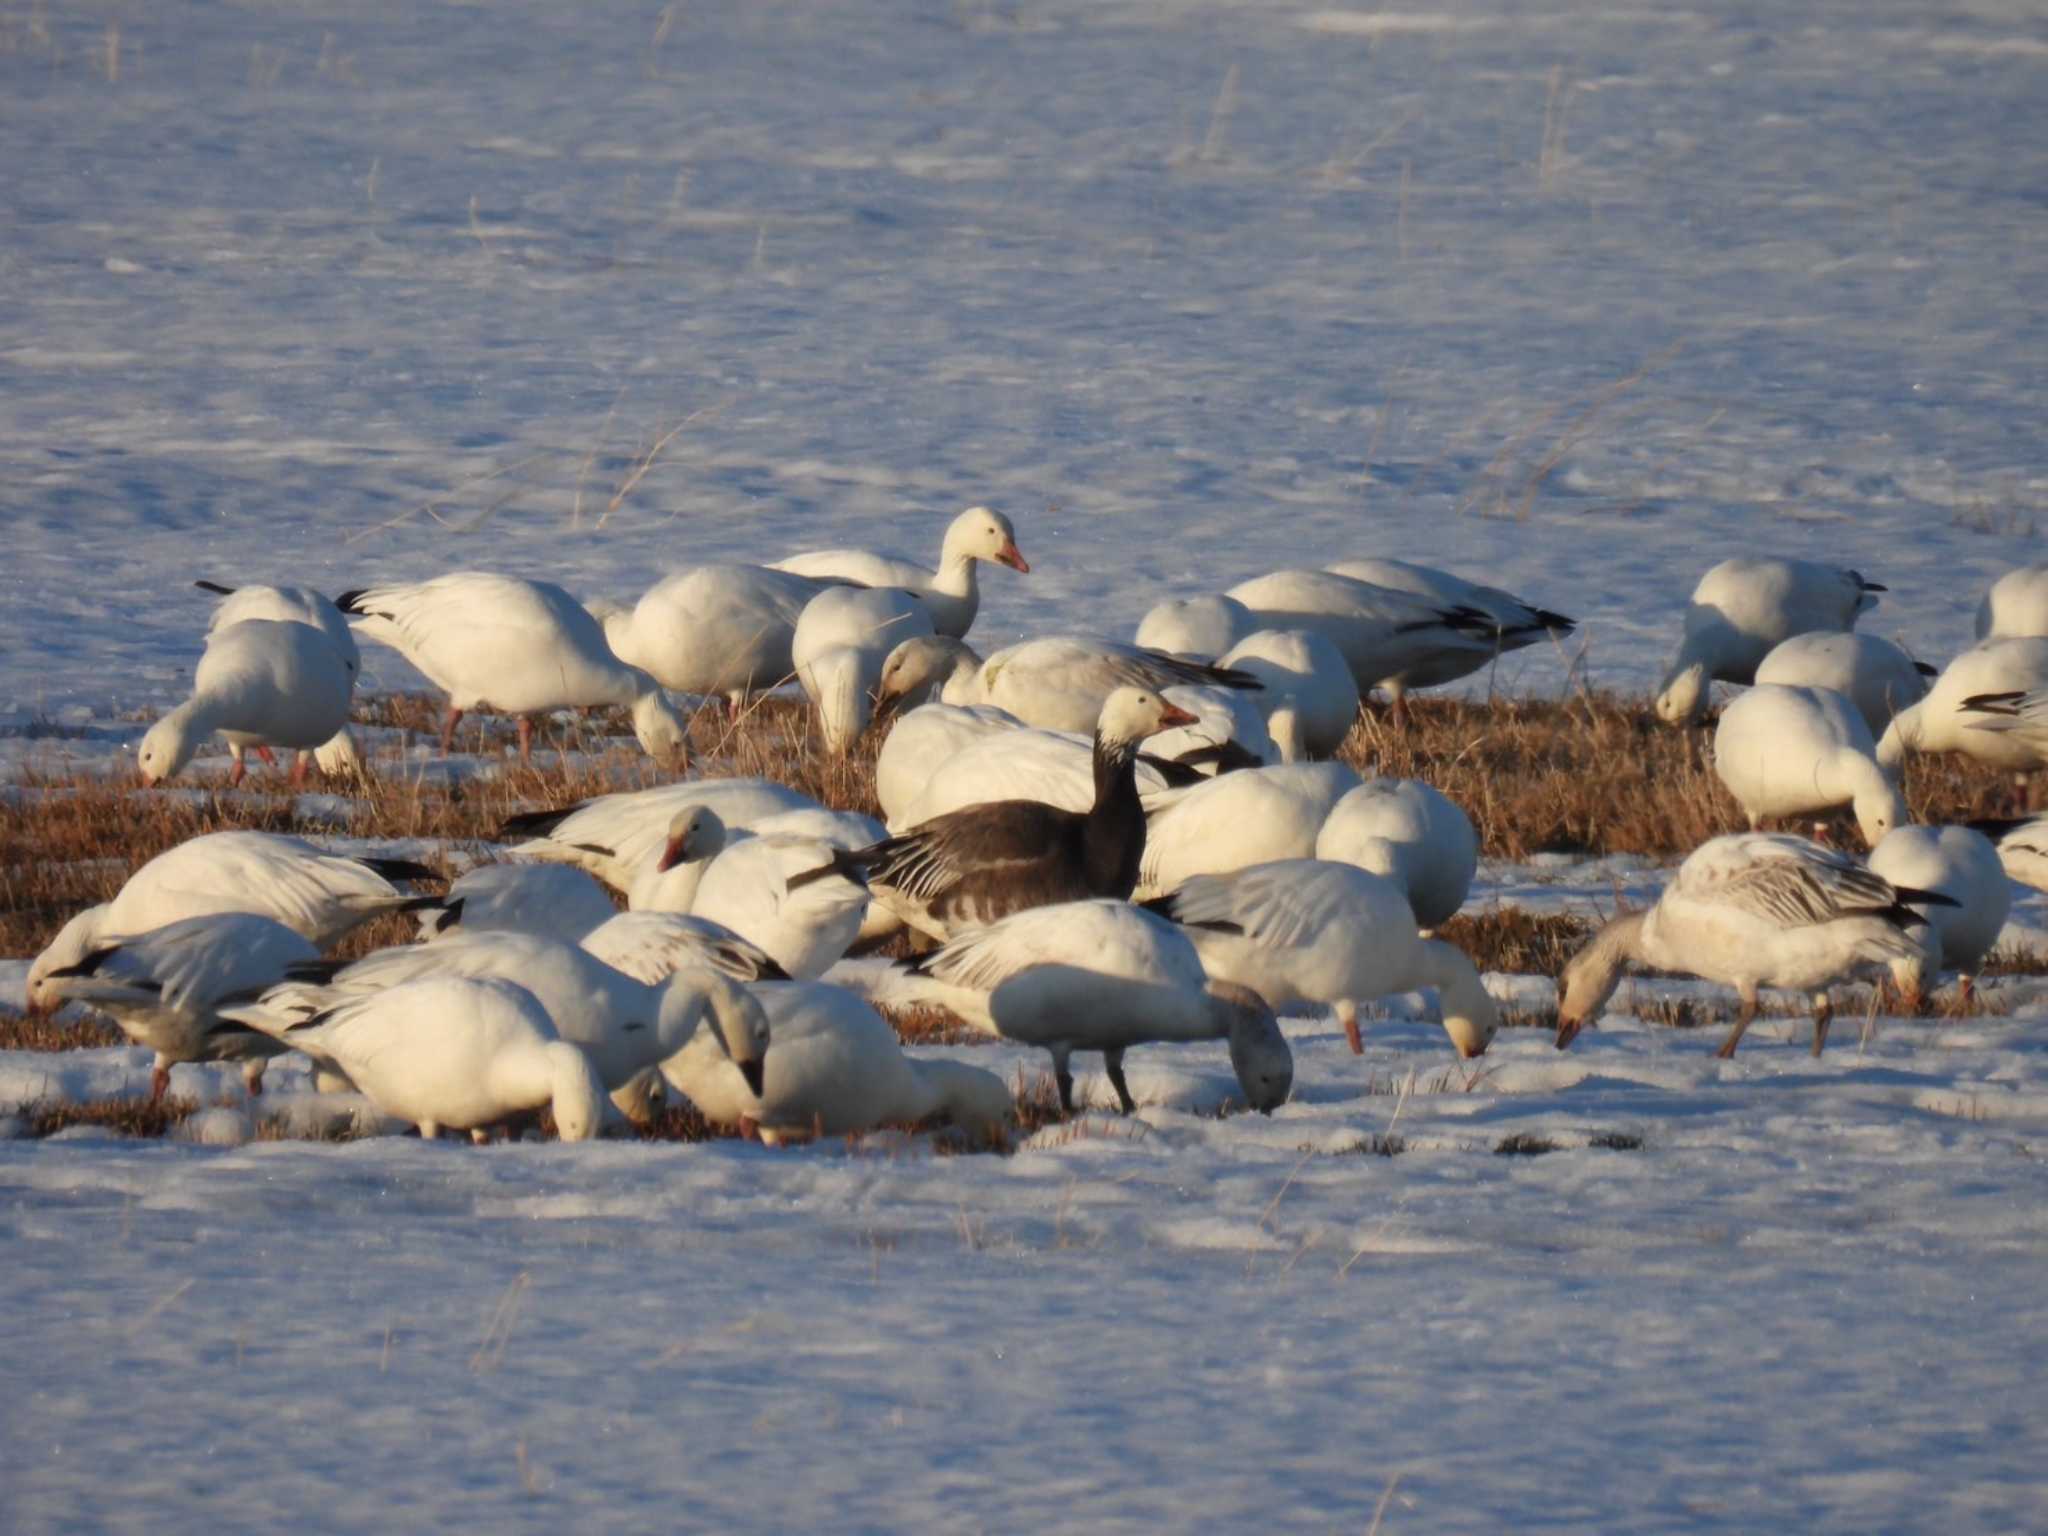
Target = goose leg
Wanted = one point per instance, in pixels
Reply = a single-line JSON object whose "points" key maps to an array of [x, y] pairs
{"points": [[252, 1076], [239, 772], [1397, 709], [1064, 1078], [1966, 989], [299, 762], [159, 1081], [1113, 1064], [525, 742], [453, 719], [1823, 1015], [269, 757], [1742, 1022], [1347, 1015]]}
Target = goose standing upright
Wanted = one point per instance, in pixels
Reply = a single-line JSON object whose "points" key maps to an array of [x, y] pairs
{"points": [[1804, 751], [1872, 673], [714, 629], [513, 646], [1740, 610], [1516, 623], [1962, 864], [261, 683], [950, 594], [1750, 910]]}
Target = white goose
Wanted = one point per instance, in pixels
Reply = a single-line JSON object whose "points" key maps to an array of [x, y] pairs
{"points": [[950, 593], [1516, 623], [2022, 844], [842, 640], [298, 605], [1804, 751], [516, 647], [923, 739], [165, 988], [1872, 673], [1105, 976], [798, 898], [449, 1051], [1021, 763], [261, 683], [2015, 605], [1414, 835], [1060, 682], [1196, 628], [1253, 816], [1962, 864], [714, 629], [618, 837], [1750, 910], [1309, 931], [837, 1070], [1945, 720], [551, 900], [1740, 609], [927, 669], [1304, 669], [653, 946]]}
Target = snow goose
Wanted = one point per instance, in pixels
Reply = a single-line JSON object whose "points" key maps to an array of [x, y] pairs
{"points": [[950, 593], [1804, 751], [261, 683], [923, 739], [1104, 976], [1962, 864], [653, 946], [799, 898], [1411, 833], [2015, 605], [927, 669], [165, 987], [1945, 720], [460, 1052], [837, 1070], [1060, 682], [1228, 732], [715, 629], [1195, 628], [298, 605], [2022, 844], [1251, 817], [552, 900], [1872, 673], [618, 837], [1302, 668], [1309, 931], [1740, 609], [843, 638], [1025, 763], [985, 861], [1386, 636], [1750, 910], [515, 647], [1516, 623]]}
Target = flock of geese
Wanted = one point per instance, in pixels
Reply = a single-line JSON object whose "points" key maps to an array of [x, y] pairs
{"points": [[1100, 845]]}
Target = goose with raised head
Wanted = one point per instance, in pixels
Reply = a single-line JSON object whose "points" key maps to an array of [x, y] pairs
{"points": [[1740, 610], [714, 630], [2015, 605], [1516, 622], [1869, 671], [843, 638], [1953, 717], [448, 1051], [1195, 628], [1310, 931], [1962, 864], [552, 900], [1804, 751], [1101, 975], [949, 594], [1413, 834], [1251, 817], [618, 837], [515, 647], [972, 866], [1302, 669], [1752, 910], [261, 683]]}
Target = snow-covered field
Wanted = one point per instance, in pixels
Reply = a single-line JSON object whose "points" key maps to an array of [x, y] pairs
{"points": [[1577, 296]]}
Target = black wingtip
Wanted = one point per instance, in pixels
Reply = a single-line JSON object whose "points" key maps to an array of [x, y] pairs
{"points": [[1926, 669], [1996, 827], [847, 865], [1177, 775], [1910, 897], [351, 601], [1558, 623], [2006, 703], [401, 869], [1872, 586], [770, 969], [214, 587], [320, 973], [536, 823], [89, 966]]}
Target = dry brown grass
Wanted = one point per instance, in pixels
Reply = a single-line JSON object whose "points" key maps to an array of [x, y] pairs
{"points": [[126, 1117], [1517, 940]]}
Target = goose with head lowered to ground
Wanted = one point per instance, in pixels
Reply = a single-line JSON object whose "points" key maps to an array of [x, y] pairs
{"points": [[1056, 682], [261, 683], [1804, 751]]}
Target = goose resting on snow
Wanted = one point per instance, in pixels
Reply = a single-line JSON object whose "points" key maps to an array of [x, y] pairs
{"points": [[261, 683], [950, 593], [1803, 751], [1750, 910], [1740, 610]]}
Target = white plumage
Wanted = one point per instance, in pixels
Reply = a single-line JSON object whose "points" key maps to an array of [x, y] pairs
{"points": [[791, 895], [843, 638], [1303, 669], [922, 740], [1872, 673], [1061, 682], [1250, 817], [551, 900], [261, 683], [1963, 865], [1198, 628], [1740, 610], [715, 629], [1411, 833], [2016, 604], [653, 946], [950, 594], [620, 837], [1804, 751], [1944, 722]]}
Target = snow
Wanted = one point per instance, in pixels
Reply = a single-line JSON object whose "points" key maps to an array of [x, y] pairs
{"points": [[1574, 297]]}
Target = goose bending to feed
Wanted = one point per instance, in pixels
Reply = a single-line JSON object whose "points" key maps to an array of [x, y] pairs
{"points": [[1750, 910], [1196, 628], [1104, 976], [722, 630], [455, 1051], [261, 683], [1962, 864], [1951, 718], [930, 669], [1872, 673], [950, 594], [972, 866], [1305, 670], [799, 898], [1387, 637], [1056, 682], [653, 946], [843, 639], [551, 900], [1516, 623], [1411, 833], [618, 837], [165, 988], [514, 647], [1026, 763], [2015, 605], [837, 1070], [2022, 844], [1251, 817], [297, 605], [1804, 751], [1740, 610], [1309, 931]]}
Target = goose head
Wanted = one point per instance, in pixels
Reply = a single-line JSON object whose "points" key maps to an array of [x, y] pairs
{"points": [[168, 746], [735, 1019], [74, 941], [981, 533], [1879, 807], [1590, 976], [339, 757], [1129, 715], [694, 833], [1258, 1050], [579, 1096], [660, 728], [1683, 697], [923, 664]]}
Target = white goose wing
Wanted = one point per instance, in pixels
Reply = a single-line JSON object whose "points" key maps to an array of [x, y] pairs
{"points": [[1279, 905], [652, 946], [1783, 880], [187, 966], [316, 893]]}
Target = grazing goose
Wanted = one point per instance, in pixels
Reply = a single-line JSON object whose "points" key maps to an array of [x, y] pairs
{"points": [[1025, 763], [653, 946], [2022, 844], [984, 862], [843, 638], [950, 593], [1741, 609], [1951, 719], [2016, 605], [926, 669], [1309, 931], [1750, 910], [1196, 628], [1962, 864], [1804, 751], [923, 739], [837, 1070], [1304, 669], [299, 605], [1251, 817], [514, 647], [1870, 672], [715, 629], [460, 1052], [165, 988], [261, 683], [1515, 623], [551, 900], [1060, 682], [1386, 636], [799, 898], [1104, 976], [618, 837], [1411, 833]]}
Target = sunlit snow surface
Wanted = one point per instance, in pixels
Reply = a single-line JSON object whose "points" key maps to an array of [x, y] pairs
{"points": [[1575, 297]]}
